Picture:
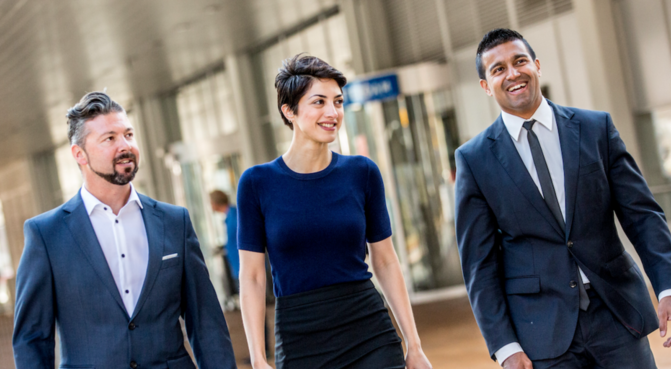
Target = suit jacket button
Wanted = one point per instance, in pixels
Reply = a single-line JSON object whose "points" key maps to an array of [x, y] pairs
{"points": [[573, 284], [133, 364], [569, 244], [131, 326]]}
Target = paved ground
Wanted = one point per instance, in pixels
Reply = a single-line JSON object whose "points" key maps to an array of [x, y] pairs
{"points": [[450, 337]]}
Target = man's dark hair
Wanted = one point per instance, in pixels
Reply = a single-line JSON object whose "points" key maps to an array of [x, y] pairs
{"points": [[92, 105], [219, 197], [495, 38], [296, 77]]}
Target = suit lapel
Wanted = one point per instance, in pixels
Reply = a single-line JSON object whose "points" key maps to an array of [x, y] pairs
{"points": [[153, 224], [504, 149], [569, 140], [80, 226]]}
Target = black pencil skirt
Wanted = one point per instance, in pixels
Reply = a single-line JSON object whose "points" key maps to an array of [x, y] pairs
{"points": [[340, 326]]}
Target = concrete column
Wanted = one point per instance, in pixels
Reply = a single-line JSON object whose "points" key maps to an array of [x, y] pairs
{"points": [[368, 35], [240, 71], [44, 178], [605, 70], [159, 127], [18, 205]]}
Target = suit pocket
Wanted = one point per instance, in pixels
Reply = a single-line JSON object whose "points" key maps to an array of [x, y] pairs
{"points": [[171, 262], [620, 264], [184, 362], [590, 168], [77, 367], [523, 285]]}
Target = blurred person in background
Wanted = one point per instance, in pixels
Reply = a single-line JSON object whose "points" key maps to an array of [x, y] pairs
{"points": [[113, 269], [220, 203], [548, 278], [313, 210]]}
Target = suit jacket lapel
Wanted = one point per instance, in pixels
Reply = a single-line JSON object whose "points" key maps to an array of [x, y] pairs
{"points": [[153, 224], [504, 149], [569, 140], [79, 223]]}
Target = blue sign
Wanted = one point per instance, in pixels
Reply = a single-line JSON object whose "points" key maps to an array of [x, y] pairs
{"points": [[372, 89]]}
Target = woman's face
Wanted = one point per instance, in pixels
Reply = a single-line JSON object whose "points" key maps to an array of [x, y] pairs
{"points": [[320, 112]]}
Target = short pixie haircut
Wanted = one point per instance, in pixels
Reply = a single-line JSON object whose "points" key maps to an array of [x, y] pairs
{"points": [[495, 38], [92, 105], [296, 77]]}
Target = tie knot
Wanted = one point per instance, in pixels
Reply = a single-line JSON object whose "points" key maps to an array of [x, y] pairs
{"points": [[529, 124]]}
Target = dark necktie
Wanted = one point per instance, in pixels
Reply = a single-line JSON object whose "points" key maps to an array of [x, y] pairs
{"points": [[544, 177], [549, 194]]}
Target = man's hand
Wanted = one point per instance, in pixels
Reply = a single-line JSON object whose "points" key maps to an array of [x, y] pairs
{"points": [[518, 360], [664, 314]]}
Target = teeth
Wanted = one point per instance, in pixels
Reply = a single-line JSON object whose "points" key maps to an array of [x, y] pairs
{"points": [[517, 87], [327, 125]]}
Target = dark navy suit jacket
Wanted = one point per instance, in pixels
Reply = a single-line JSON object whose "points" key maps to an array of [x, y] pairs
{"points": [[63, 279], [519, 266]]}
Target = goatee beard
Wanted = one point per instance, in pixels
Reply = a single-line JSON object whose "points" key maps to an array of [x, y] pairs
{"points": [[118, 178]]}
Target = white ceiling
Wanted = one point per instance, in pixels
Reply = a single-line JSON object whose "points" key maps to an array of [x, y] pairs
{"points": [[54, 51]]}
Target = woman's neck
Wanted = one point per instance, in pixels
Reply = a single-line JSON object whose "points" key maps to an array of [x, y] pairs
{"points": [[307, 157]]}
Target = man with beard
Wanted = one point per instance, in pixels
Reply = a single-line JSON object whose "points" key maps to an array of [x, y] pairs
{"points": [[112, 269]]}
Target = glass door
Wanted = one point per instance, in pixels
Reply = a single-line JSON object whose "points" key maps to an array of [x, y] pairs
{"points": [[193, 179], [419, 133]]}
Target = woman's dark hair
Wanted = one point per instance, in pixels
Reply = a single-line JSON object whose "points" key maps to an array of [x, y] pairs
{"points": [[296, 77], [495, 38]]}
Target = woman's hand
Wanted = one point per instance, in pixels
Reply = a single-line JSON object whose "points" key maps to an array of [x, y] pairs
{"points": [[387, 269], [261, 365], [415, 359]]}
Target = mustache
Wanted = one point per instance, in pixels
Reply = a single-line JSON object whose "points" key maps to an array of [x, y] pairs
{"points": [[124, 156]]}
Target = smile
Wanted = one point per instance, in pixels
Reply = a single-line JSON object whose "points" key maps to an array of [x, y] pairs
{"points": [[517, 87], [327, 126]]}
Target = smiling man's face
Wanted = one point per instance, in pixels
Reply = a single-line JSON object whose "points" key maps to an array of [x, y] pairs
{"points": [[513, 78], [110, 152]]}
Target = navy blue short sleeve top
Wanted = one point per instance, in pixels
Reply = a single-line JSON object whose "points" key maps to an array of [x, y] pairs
{"points": [[314, 226]]}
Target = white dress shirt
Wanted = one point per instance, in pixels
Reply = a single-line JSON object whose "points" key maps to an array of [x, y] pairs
{"points": [[123, 239], [547, 132]]}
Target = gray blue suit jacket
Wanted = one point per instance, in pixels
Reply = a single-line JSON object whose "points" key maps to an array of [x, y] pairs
{"points": [[519, 266], [63, 280]]}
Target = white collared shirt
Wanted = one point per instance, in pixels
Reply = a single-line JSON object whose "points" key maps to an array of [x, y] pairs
{"points": [[123, 239]]}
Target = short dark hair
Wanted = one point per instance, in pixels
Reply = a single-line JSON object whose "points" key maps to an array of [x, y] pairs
{"points": [[495, 38], [296, 77], [92, 105], [219, 197]]}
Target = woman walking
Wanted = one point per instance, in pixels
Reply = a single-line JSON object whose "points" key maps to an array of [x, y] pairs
{"points": [[313, 210]]}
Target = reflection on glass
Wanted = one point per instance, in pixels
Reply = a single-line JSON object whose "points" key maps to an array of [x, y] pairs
{"points": [[663, 132], [6, 269], [421, 134]]}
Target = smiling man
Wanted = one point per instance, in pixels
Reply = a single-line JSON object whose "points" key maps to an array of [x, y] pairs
{"points": [[113, 269], [547, 276]]}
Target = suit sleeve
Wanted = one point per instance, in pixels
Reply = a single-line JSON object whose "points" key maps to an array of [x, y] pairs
{"points": [[34, 320], [642, 219], [477, 239], [204, 319]]}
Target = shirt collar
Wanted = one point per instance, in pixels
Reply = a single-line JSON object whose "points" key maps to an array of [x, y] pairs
{"points": [[91, 202], [543, 115]]}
